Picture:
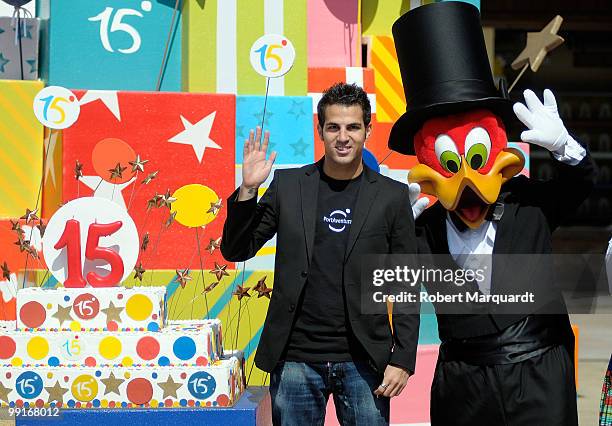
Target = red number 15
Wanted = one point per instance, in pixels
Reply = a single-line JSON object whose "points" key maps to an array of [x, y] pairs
{"points": [[71, 239]]}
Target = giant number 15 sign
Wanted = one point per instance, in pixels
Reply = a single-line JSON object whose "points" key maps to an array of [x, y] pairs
{"points": [[90, 241]]}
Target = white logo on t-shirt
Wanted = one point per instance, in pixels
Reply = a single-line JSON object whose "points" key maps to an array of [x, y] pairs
{"points": [[337, 218]]}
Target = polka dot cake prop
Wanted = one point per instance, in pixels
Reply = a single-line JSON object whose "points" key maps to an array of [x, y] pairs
{"points": [[91, 309], [182, 343], [217, 385]]}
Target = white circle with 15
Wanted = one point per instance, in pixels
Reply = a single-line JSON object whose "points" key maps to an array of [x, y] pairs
{"points": [[92, 241], [56, 107], [272, 55]]}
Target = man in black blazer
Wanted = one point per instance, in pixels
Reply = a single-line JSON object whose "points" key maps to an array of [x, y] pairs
{"points": [[316, 341]]}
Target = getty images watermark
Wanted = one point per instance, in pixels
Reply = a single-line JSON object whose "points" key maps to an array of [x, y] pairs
{"points": [[404, 275], [481, 284]]}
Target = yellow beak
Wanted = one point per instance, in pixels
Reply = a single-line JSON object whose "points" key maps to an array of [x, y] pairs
{"points": [[508, 163]]}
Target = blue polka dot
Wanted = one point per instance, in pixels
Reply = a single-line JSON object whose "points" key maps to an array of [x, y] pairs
{"points": [[66, 298], [184, 348], [163, 361], [124, 404], [26, 404], [12, 404], [53, 361], [153, 326], [71, 403], [183, 402], [98, 373], [154, 375], [197, 403], [96, 403]]}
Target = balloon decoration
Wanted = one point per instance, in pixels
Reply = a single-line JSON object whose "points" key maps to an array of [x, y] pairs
{"points": [[195, 205], [110, 158]]}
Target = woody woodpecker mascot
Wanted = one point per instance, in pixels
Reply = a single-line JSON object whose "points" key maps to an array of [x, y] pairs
{"points": [[497, 367]]}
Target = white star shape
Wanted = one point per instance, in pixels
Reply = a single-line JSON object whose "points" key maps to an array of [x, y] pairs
{"points": [[51, 142], [197, 135], [107, 97], [107, 190]]}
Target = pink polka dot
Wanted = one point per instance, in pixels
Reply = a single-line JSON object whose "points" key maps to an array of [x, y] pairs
{"points": [[183, 375]]}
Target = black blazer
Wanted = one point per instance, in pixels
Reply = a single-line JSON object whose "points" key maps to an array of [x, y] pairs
{"points": [[382, 223], [532, 211]]}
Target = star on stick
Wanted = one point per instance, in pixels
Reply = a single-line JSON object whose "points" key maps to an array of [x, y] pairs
{"points": [[138, 164], [139, 271], [154, 202], [56, 392], [23, 244], [15, 226], [167, 199], [209, 288], [145, 242], [241, 292], [182, 276], [215, 207], [219, 271], [539, 44], [78, 170], [30, 215], [32, 251], [262, 289], [63, 314], [117, 172], [150, 177], [213, 245], [41, 228], [113, 313], [111, 384], [6, 273], [170, 387], [170, 219]]}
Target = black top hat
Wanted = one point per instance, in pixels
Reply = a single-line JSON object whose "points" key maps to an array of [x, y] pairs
{"points": [[445, 70]]}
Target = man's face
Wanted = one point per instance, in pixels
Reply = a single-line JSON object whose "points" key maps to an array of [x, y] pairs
{"points": [[344, 133]]}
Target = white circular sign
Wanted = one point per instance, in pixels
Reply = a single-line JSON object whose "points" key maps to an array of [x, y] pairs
{"points": [[90, 240], [272, 55], [56, 107]]}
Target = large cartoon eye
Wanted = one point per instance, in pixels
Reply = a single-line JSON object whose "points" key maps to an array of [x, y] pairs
{"points": [[477, 147], [447, 153]]}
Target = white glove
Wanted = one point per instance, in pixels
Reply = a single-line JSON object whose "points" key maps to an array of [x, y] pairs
{"points": [[418, 204], [546, 128]]}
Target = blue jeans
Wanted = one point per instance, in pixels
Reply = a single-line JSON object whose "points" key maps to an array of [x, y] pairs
{"points": [[300, 391]]}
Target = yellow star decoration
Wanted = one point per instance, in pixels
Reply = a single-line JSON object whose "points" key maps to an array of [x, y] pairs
{"points": [[113, 313], [56, 392], [112, 384], [170, 387], [538, 45], [63, 314]]}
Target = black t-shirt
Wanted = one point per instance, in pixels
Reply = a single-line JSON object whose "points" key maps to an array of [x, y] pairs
{"points": [[320, 332]]}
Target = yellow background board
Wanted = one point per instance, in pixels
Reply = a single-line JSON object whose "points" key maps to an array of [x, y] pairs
{"points": [[242, 321], [52, 173], [390, 100], [21, 147]]}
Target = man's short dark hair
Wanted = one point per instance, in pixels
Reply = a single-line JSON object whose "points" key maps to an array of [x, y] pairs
{"points": [[347, 95]]}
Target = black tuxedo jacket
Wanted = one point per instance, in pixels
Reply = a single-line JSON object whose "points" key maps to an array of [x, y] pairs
{"points": [[382, 223], [532, 210]]}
